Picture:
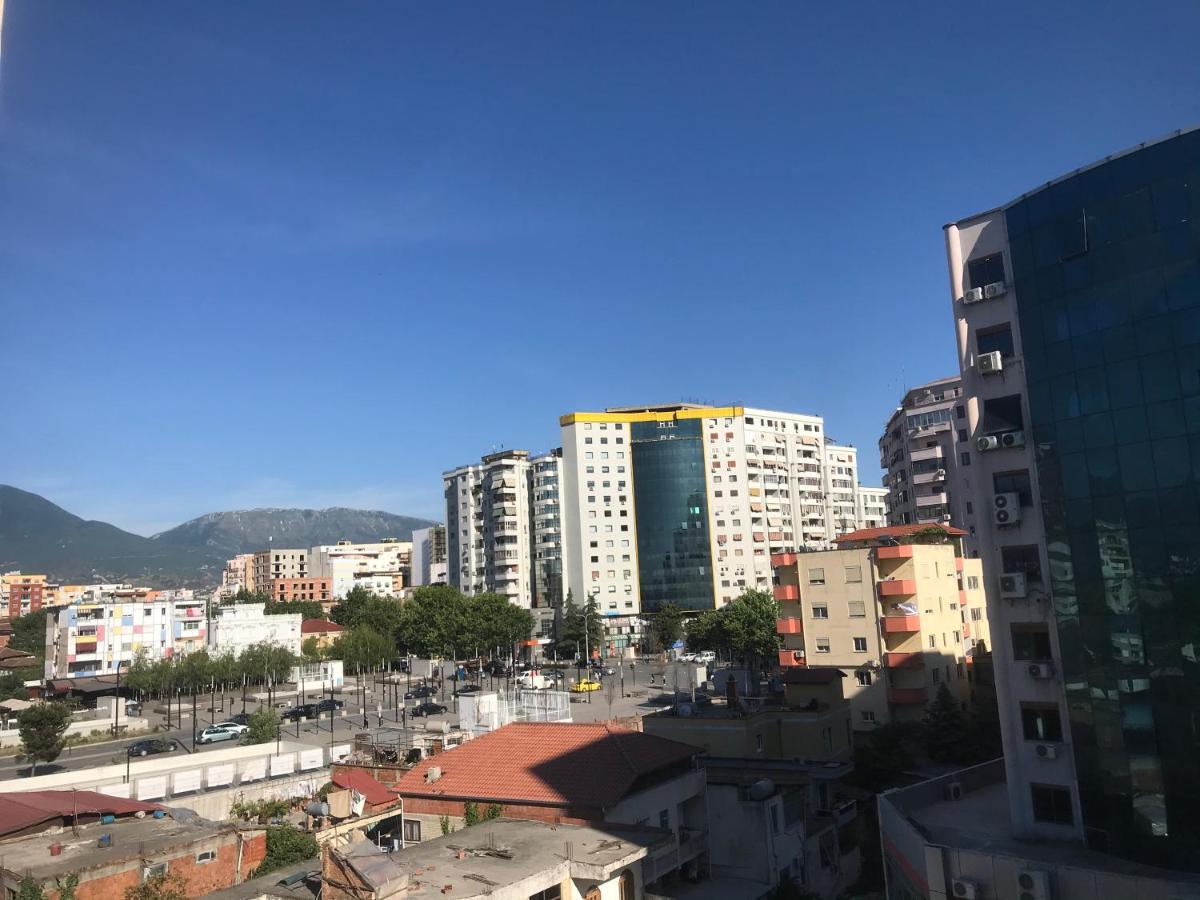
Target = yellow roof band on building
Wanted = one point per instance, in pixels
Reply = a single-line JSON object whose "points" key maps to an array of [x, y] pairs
{"points": [[706, 412]]}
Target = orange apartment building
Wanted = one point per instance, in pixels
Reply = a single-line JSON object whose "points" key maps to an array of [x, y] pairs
{"points": [[899, 610], [286, 590], [23, 593]]}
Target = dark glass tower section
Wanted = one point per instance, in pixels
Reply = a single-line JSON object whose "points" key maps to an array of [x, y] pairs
{"points": [[669, 494], [1106, 266]]}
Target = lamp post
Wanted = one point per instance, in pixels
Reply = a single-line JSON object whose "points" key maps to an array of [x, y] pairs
{"points": [[116, 728]]}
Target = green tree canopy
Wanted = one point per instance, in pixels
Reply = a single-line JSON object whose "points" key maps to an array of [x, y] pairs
{"points": [[29, 633], [745, 628], [309, 609], [582, 628], [363, 648], [667, 625], [286, 845], [262, 727], [42, 728]]}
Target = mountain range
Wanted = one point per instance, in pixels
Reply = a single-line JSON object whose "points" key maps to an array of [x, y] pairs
{"points": [[38, 536]]}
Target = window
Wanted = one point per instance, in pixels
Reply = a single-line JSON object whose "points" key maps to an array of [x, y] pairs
{"points": [[1024, 560], [820, 612], [853, 574], [412, 831], [759, 743], [997, 338], [860, 645], [868, 716], [816, 576], [1052, 803], [822, 645], [986, 270], [937, 675], [1030, 640], [1040, 722], [554, 892], [863, 678], [856, 609], [664, 819], [933, 640], [154, 871], [964, 459], [206, 856], [1001, 414], [1014, 483]]}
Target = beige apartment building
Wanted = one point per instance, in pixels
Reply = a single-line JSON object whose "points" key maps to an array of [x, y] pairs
{"points": [[276, 563], [898, 609]]}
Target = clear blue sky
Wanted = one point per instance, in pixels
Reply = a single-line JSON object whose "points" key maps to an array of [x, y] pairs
{"points": [[314, 254]]}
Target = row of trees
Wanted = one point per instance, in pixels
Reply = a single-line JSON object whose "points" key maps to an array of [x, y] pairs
{"points": [[745, 629]]}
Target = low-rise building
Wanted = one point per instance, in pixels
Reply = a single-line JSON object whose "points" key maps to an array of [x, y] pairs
{"points": [[383, 567], [569, 773], [236, 628], [899, 609], [316, 590], [22, 593], [48, 835], [325, 632], [501, 860]]}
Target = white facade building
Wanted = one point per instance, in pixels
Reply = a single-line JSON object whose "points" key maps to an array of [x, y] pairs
{"points": [[429, 556], [872, 506], [489, 527], [235, 628], [375, 567]]}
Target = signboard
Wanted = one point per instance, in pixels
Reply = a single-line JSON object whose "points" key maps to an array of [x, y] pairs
{"points": [[339, 752], [152, 788], [115, 790], [283, 765], [182, 782], [254, 770], [218, 776], [311, 759]]}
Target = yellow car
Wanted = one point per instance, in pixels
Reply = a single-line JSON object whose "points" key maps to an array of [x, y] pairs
{"points": [[585, 685]]}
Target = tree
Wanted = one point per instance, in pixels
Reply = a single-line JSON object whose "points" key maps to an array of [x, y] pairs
{"points": [[667, 625], [309, 609], [946, 737], [245, 596], [286, 845], [167, 886], [363, 648], [746, 628], [262, 727], [29, 633], [30, 889], [42, 729], [433, 622], [12, 686], [352, 610], [311, 649], [582, 629], [882, 758]]}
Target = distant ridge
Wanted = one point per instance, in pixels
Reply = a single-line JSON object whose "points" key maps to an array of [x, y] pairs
{"points": [[38, 536]]}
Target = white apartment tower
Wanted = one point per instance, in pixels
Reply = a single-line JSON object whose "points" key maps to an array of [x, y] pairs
{"points": [[685, 504], [489, 527]]}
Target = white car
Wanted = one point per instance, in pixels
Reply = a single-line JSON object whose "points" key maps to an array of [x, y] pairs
{"points": [[235, 727], [706, 656], [213, 735]]}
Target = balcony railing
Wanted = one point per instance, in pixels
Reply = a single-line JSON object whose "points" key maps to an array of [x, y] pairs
{"points": [[789, 658], [904, 551], [907, 696], [901, 624], [783, 559], [903, 660], [898, 587], [787, 592], [789, 625]]}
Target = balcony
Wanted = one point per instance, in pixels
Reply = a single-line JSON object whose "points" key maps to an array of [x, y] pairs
{"points": [[901, 624], [904, 551], [927, 453], [904, 660], [788, 658], [789, 625], [787, 592], [907, 696], [783, 559], [898, 587]]}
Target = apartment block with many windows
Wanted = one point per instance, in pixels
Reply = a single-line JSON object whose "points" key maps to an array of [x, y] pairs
{"points": [[899, 610], [872, 507], [925, 452], [279, 563]]}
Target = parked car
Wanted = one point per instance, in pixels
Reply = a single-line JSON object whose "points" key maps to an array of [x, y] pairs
{"points": [[235, 727], [427, 709], [305, 711], [706, 656], [585, 685], [240, 718], [213, 735], [418, 692], [470, 689], [151, 746], [496, 668], [329, 704]]}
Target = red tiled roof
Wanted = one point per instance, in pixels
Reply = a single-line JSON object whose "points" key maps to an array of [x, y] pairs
{"points": [[319, 626], [22, 810], [898, 531], [557, 763], [375, 791]]}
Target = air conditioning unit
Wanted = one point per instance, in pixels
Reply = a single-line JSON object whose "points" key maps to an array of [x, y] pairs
{"points": [[966, 888], [990, 363], [1046, 751], [1006, 509], [1012, 586], [1041, 670], [1033, 884], [1012, 439], [987, 442], [940, 473], [974, 295], [995, 289], [954, 790]]}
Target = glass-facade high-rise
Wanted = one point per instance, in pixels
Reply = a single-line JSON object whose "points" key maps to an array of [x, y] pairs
{"points": [[1106, 269], [674, 551]]}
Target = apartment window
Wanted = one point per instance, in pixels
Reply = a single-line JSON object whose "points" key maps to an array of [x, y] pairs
{"points": [[868, 716], [937, 675], [820, 612], [964, 459], [1030, 641], [960, 412], [1014, 483], [860, 645], [206, 856], [998, 338], [816, 576], [664, 819], [962, 435], [1052, 803], [822, 645], [863, 678], [554, 892], [853, 574], [957, 636], [986, 270], [856, 609], [759, 743], [933, 641], [1040, 722], [1022, 559], [973, 582]]}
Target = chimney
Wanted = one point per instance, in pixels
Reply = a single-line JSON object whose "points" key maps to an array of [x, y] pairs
{"points": [[432, 774]]}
